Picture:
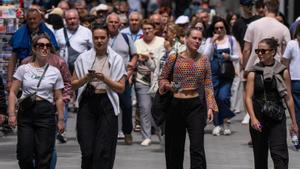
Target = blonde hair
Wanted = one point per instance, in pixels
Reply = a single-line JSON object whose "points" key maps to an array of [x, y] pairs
{"points": [[35, 40]]}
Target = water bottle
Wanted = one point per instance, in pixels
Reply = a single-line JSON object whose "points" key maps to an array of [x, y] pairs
{"points": [[295, 141]]}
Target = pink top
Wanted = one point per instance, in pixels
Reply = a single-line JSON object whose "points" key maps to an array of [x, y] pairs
{"points": [[190, 75]]}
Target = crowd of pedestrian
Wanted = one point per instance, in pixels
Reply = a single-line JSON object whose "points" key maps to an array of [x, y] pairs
{"points": [[100, 59]]}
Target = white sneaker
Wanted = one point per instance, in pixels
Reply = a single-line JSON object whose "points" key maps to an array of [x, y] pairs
{"points": [[121, 135], [227, 132], [146, 142], [246, 119], [217, 131]]}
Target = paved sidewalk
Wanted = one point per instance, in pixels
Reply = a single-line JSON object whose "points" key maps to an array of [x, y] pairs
{"points": [[226, 152]]}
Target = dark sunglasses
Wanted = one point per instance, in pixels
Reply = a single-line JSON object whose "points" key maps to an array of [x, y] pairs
{"points": [[262, 51], [43, 45], [220, 27]]}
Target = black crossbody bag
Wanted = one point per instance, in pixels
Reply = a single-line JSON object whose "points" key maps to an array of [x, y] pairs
{"points": [[161, 103], [271, 109], [29, 101]]}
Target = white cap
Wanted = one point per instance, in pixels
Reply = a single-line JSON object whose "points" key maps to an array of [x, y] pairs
{"points": [[182, 20], [57, 11], [102, 7]]}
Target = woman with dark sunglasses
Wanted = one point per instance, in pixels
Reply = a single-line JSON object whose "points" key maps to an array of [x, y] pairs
{"points": [[268, 88], [37, 123], [221, 47]]}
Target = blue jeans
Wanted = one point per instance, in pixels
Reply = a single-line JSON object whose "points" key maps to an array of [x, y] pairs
{"points": [[296, 96], [54, 153], [222, 91], [66, 112], [126, 107], [53, 159]]}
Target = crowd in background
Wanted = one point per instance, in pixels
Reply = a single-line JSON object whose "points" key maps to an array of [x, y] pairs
{"points": [[145, 33]]}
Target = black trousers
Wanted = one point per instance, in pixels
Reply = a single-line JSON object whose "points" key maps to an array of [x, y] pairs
{"points": [[126, 107], [97, 131], [273, 137], [190, 115], [36, 136]]}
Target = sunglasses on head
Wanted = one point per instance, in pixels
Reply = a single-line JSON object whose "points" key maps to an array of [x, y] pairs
{"points": [[262, 51], [43, 45]]}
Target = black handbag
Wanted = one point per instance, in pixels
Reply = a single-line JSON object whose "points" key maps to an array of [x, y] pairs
{"points": [[88, 91], [161, 103], [72, 53], [29, 101], [271, 109], [226, 69]]}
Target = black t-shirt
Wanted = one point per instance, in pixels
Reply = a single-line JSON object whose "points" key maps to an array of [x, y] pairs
{"points": [[240, 27]]}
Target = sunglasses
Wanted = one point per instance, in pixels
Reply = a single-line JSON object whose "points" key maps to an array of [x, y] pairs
{"points": [[262, 51], [43, 45], [220, 27]]}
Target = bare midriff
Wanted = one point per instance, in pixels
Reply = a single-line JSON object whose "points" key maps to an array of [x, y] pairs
{"points": [[186, 94]]}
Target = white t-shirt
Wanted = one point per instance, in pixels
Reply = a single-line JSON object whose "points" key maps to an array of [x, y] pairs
{"points": [[260, 29], [292, 53], [156, 47], [81, 40], [29, 76]]}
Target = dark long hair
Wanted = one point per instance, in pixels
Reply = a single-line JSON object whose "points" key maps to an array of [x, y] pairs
{"points": [[216, 19]]}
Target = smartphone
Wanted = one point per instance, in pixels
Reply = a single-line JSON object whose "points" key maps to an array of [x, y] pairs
{"points": [[91, 71]]}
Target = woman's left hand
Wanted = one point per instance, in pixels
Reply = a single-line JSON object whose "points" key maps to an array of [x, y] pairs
{"points": [[226, 56], [60, 126], [294, 128], [210, 115]]}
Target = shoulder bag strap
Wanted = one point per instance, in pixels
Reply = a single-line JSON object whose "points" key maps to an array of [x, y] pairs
{"points": [[231, 44], [173, 66], [45, 70], [66, 37], [127, 41]]}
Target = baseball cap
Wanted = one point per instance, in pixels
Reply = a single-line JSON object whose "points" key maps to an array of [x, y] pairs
{"points": [[101, 7], [57, 11], [182, 20], [246, 2]]}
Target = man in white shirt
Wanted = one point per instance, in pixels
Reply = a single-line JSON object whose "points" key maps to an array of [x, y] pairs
{"points": [[73, 40], [79, 38], [265, 27]]}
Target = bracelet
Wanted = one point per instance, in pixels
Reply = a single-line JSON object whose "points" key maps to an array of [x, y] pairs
{"points": [[61, 120]]}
